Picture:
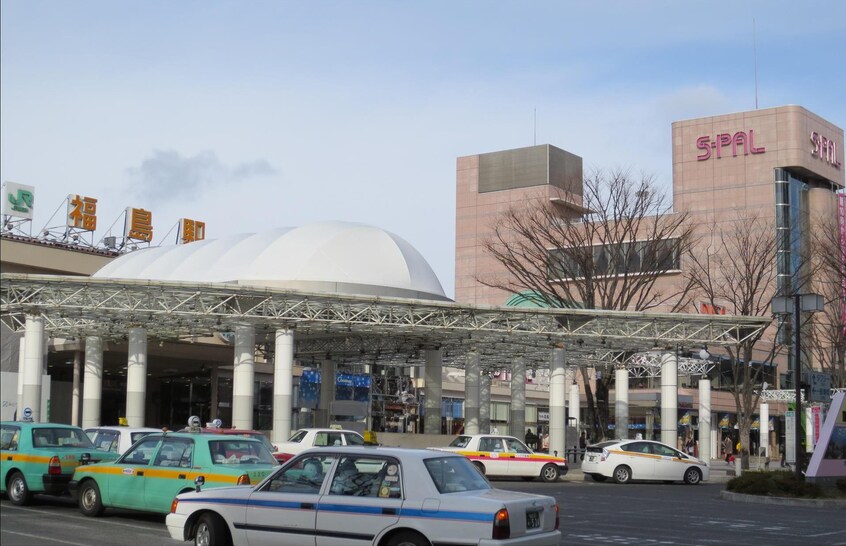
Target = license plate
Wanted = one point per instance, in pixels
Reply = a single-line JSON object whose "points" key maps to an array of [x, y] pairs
{"points": [[533, 520], [591, 458]]}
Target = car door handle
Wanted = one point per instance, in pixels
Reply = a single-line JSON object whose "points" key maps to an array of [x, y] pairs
{"points": [[307, 505], [182, 476], [389, 511], [9, 458], [140, 473]]}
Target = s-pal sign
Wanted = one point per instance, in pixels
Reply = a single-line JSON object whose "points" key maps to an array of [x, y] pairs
{"points": [[715, 147], [825, 149]]}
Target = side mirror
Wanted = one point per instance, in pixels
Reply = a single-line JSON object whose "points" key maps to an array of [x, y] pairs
{"points": [[199, 481]]}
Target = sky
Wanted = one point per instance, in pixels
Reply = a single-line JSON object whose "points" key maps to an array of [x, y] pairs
{"points": [[262, 114]]}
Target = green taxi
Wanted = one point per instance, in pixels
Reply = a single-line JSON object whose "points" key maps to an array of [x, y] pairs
{"points": [[162, 465], [41, 458]]}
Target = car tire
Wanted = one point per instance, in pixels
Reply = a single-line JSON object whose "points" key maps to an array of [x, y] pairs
{"points": [[211, 531], [692, 476], [17, 490], [549, 473], [407, 538], [622, 474], [598, 477], [480, 467], [90, 501]]}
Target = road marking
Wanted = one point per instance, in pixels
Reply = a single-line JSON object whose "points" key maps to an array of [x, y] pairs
{"points": [[84, 518], [43, 538]]}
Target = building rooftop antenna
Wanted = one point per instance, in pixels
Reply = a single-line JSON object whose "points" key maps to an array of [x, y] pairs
{"points": [[755, 55]]}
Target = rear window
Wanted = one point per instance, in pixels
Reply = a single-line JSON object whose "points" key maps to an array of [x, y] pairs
{"points": [[135, 436], [455, 474], [238, 452], [60, 437], [107, 440], [461, 441], [354, 440], [298, 436]]}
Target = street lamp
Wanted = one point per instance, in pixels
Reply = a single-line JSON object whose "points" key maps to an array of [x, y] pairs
{"points": [[808, 303]]}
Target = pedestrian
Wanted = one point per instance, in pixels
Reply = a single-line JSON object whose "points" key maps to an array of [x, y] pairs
{"points": [[727, 445], [582, 446]]}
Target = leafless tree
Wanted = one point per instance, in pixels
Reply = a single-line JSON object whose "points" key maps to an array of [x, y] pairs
{"points": [[609, 256], [829, 331], [736, 271]]}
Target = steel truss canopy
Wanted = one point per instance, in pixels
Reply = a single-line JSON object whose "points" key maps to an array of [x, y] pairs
{"points": [[356, 330]]}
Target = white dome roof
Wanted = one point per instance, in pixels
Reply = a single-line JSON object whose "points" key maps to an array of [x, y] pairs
{"points": [[332, 257]]}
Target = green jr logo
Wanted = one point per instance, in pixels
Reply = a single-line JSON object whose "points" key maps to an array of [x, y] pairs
{"points": [[22, 202]]}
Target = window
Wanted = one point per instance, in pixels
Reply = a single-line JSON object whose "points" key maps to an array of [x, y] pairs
{"points": [[9, 437], [367, 477], [107, 440], [455, 474], [461, 441], [664, 451], [304, 475], [175, 452], [354, 440], [60, 437], [142, 452], [516, 446], [238, 451], [298, 436], [490, 444], [637, 447], [615, 259]]}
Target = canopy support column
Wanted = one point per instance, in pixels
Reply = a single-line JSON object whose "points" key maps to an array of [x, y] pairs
{"points": [[517, 425], [472, 373], [283, 384], [621, 403], [669, 399], [33, 369], [243, 376], [433, 376], [92, 383], [136, 378], [705, 420], [556, 402]]}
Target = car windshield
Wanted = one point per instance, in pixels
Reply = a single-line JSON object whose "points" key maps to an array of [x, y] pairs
{"points": [[455, 474], [235, 452], [135, 436], [60, 437], [461, 441], [261, 438], [298, 436]]}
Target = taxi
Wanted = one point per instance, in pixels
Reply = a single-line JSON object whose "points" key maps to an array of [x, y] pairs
{"points": [[505, 456], [119, 438], [217, 428], [627, 460], [367, 495], [41, 458], [160, 466]]}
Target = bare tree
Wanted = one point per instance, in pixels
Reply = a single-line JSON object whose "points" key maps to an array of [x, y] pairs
{"points": [[829, 330], [611, 256], [736, 271]]}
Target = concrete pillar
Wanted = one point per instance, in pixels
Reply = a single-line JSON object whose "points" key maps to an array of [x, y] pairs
{"points": [[283, 384], [33, 368], [328, 380], [433, 377], [669, 399], [485, 403], [574, 405], [77, 368], [92, 383], [705, 420], [557, 390], [764, 430], [472, 377], [21, 368], [621, 403], [243, 376], [517, 416], [136, 377]]}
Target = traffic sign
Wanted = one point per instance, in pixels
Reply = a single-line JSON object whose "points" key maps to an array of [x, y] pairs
{"points": [[820, 387]]}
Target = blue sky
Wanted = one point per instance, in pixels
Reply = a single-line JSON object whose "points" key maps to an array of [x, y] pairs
{"points": [[252, 115]]}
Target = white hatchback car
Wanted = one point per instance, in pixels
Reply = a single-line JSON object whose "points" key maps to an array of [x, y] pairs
{"points": [[117, 439], [367, 495], [627, 460]]}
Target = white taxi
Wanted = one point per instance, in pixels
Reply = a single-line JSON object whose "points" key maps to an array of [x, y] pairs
{"points": [[367, 495], [506, 456], [119, 438], [627, 460]]}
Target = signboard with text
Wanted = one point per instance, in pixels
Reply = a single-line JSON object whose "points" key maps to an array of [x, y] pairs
{"points": [[18, 200], [191, 230], [139, 224], [82, 212]]}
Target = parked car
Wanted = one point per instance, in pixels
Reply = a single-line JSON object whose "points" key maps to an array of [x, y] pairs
{"points": [[505, 456], [627, 460], [306, 438], [41, 458], [367, 495], [247, 433], [117, 439], [159, 466]]}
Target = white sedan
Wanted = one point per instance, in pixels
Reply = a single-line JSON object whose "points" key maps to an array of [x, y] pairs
{"points": [[117, 439], [627, 460], [367, 496], [306, 438]]}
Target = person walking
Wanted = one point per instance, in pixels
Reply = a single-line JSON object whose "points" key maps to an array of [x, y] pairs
{"points": [[727, 447]]}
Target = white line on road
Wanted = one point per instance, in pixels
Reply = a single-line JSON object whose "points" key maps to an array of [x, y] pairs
{"points": [[85, 518], [4, 531]]}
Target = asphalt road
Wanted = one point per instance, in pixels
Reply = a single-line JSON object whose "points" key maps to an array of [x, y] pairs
{"points": [[591, 514]]}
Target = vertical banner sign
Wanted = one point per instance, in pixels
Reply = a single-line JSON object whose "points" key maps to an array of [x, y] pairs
{"points": [[790, 437], [816, 418], [191, 230], [139, 224], [841, 216], [82, 212], [18, 200]]}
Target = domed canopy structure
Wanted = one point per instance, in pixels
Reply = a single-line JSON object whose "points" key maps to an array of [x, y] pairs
{"points": [[329, 257]]}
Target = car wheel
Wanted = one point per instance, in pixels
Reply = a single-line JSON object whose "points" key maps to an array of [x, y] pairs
{"points": [[407, 538], [549, 473], [90, 502], [692, 476], [17, 490], [598, 477], [211, 531], [480, 467], [622, 474]]}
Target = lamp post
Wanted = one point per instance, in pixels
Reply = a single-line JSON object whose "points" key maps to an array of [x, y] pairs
{"points": [[809, 303]]}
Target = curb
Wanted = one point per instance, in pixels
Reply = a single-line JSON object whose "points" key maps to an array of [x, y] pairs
{"points": [[782, 501]]}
